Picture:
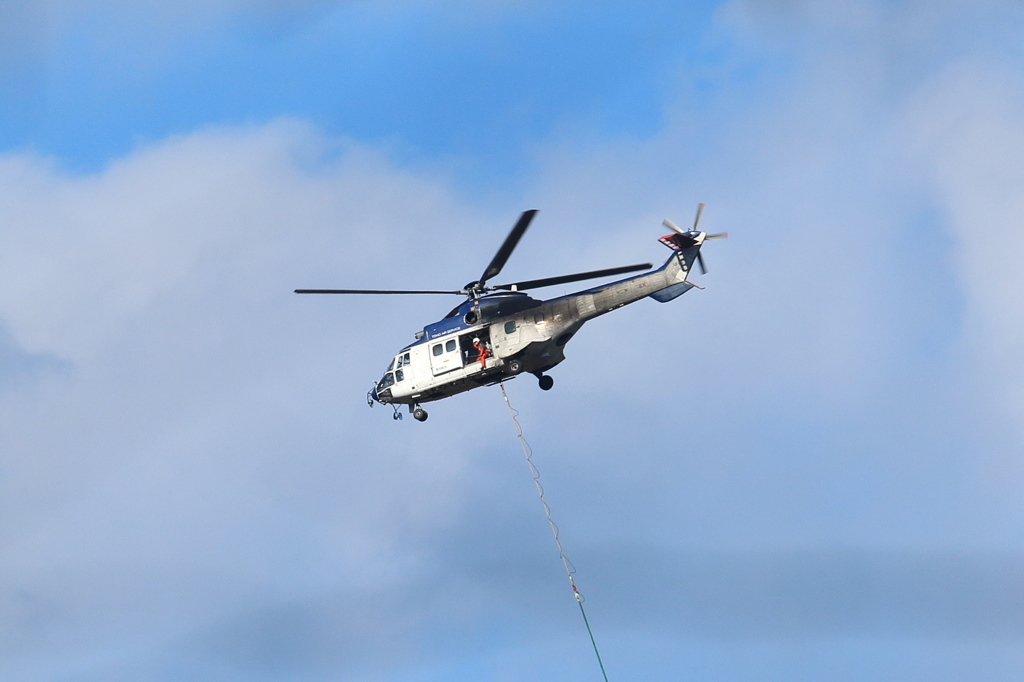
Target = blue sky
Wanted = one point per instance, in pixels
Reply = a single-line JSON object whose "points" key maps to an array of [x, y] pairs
{"points": [[480, 84], [810, 470]]}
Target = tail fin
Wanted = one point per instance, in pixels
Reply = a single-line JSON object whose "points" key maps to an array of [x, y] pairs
{"points": [[676, 269], [686, 246]]}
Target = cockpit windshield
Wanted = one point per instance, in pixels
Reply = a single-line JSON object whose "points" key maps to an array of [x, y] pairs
{"points": [[387, 381]]}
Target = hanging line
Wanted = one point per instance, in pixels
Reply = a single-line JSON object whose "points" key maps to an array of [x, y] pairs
{"points": [[570, 570]]}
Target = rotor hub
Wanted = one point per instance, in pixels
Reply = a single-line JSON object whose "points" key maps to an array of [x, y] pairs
{"points": [[475, 289]]}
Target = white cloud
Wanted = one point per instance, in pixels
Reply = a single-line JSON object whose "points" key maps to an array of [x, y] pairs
{"points": [[967, 137], [205, 445]]}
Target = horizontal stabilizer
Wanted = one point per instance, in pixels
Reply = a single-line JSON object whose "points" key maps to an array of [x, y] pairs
{"points": [[674, 291]]}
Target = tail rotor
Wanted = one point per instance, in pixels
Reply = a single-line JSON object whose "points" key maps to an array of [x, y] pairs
{"points": [[694, 237]]}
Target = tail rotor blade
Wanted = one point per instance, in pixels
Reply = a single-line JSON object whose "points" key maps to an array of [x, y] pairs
{"points": [[700, 261], [696, 222], [720, 235], [672, 226]]}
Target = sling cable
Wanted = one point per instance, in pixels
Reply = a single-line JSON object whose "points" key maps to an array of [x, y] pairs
{"points": [[570, 570]]}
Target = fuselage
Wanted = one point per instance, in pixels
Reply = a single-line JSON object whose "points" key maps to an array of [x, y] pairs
{"points": [[517, 334]]}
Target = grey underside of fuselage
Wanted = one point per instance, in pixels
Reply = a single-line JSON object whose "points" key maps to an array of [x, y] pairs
{"points": [[544, 342]]}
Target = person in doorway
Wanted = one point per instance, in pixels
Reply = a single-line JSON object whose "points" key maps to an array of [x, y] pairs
{"points": [[482, 352]]}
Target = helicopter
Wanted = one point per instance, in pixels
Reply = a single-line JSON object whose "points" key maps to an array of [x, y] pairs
{"points": [[500, 332]]}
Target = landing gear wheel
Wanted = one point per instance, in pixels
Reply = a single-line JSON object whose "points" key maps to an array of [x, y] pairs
{"points": [[419, 414], [515, 367], [545, 382]]}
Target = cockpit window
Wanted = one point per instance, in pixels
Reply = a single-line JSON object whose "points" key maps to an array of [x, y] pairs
{"points": [[390, 366], [388, 380], [399, 376], [402, 361]]}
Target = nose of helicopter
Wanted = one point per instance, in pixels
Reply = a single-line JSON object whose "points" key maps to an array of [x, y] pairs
{"points": [[373, 393]]}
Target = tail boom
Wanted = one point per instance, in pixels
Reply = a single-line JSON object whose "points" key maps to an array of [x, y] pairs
{"points": [[664, 284]]}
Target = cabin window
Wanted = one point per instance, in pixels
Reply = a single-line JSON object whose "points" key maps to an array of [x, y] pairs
{"points": [[406, 359], [450, 346], [399, 375], [510, 326], [437, 350]]}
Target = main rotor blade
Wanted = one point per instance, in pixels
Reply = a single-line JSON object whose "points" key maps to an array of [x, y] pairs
{"points": [[371, 291], [498, 262], [551, 281]]}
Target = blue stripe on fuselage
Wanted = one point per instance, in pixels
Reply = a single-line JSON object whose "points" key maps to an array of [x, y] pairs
{"points": [[444, 327]]}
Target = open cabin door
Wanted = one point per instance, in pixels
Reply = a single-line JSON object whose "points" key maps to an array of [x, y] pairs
{"points": [[470, 353], [444, 356]]}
